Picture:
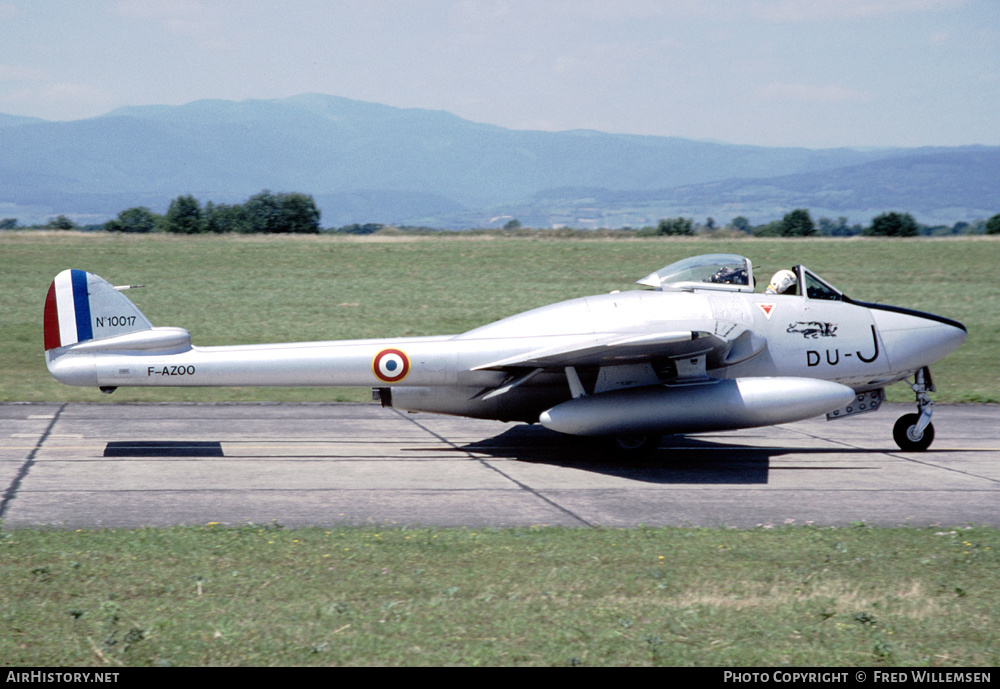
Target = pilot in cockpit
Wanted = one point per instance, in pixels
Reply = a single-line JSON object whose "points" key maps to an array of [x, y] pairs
{"points": [[783, 282]]}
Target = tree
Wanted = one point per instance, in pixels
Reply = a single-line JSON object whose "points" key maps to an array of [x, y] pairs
{"points": [[893, 225], [514, 224], [771, 229], [139, 219], [210, 216], [262, 212], [798, 223], [8, 224], [224, 218], [283, 213], [829, 228], [299, 213], [184, 216], [61, 223], [993, 225], [741, 224], [675, 227]]}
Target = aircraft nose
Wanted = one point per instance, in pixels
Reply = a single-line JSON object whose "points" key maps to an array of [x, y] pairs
{"points": [[915, 339]]}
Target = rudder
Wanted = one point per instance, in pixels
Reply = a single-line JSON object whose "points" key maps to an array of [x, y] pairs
{"points": [[81, 306]]}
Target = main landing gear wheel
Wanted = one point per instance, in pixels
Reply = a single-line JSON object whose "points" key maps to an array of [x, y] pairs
{"points": [[637, 446], [904, 433]]}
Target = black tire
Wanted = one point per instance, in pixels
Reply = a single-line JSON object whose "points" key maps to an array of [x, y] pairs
{"points": [[900, 433], [635, 446]]}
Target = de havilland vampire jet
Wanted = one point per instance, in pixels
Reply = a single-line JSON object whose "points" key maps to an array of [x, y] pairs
{"points": [[699, 351]]}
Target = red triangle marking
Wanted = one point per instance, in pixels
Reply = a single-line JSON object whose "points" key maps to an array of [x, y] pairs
{"points": [[768, 309]]}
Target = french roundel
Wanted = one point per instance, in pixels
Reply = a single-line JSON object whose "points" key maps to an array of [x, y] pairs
{"points": [[391, 365]]}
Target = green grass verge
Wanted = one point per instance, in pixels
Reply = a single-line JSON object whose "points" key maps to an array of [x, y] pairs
{"points": [[252, 595], [237, 289], [796, 595]]}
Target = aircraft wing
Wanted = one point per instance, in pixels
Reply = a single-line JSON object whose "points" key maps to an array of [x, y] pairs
{"points": [[631, 348]]}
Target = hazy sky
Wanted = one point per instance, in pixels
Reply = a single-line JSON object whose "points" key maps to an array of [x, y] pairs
{"points": [[814, 73]]}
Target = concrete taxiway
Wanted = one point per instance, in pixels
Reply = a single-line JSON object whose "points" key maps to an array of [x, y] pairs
{"points": [[125, 465]]}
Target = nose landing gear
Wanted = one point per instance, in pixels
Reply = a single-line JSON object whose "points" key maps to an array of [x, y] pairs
{"points": [[915, 432]]}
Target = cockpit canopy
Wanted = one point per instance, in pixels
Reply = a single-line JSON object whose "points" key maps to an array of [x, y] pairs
{"points": [[816, 288], [710, 271], [731, 272]]}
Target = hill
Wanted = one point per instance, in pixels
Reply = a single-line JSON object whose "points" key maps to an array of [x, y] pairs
{"points": [[365, 162], [935, 186]]}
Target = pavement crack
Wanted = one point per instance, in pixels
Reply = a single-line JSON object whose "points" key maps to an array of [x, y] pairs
{"points": [[491, 467], [29, 462]]}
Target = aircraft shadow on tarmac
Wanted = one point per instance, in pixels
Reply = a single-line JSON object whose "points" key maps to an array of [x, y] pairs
{"points": [[678, 459]]}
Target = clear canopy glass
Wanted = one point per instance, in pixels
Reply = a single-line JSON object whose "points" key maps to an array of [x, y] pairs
{"points": [[710, 271]]}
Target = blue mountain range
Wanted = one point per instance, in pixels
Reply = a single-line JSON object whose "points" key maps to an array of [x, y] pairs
{"points": [[370, 163]]}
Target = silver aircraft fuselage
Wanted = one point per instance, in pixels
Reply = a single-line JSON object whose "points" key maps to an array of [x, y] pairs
{"points": [[685, 356]]}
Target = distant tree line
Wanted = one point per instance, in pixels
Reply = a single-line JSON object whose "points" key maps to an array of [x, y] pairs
{"points": [[675, 227], [356, 228], [799, 223], [265, 213], [287, 213]]}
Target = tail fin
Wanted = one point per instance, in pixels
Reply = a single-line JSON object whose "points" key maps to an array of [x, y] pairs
{"points": [[85, 315], [81, 306]]}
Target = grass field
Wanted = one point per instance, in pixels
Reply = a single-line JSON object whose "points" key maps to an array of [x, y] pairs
{"points": [[238, 289], [795, 595], [792, 595]]}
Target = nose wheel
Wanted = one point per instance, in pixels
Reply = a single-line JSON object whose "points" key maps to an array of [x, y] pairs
{"points": [[915, 432]]}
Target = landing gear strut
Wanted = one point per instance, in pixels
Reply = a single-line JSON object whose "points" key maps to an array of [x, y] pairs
{"points": [[915, 432]]}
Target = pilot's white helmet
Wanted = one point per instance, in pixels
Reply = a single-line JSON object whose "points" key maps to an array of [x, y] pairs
{"points": [[781, 281]]}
